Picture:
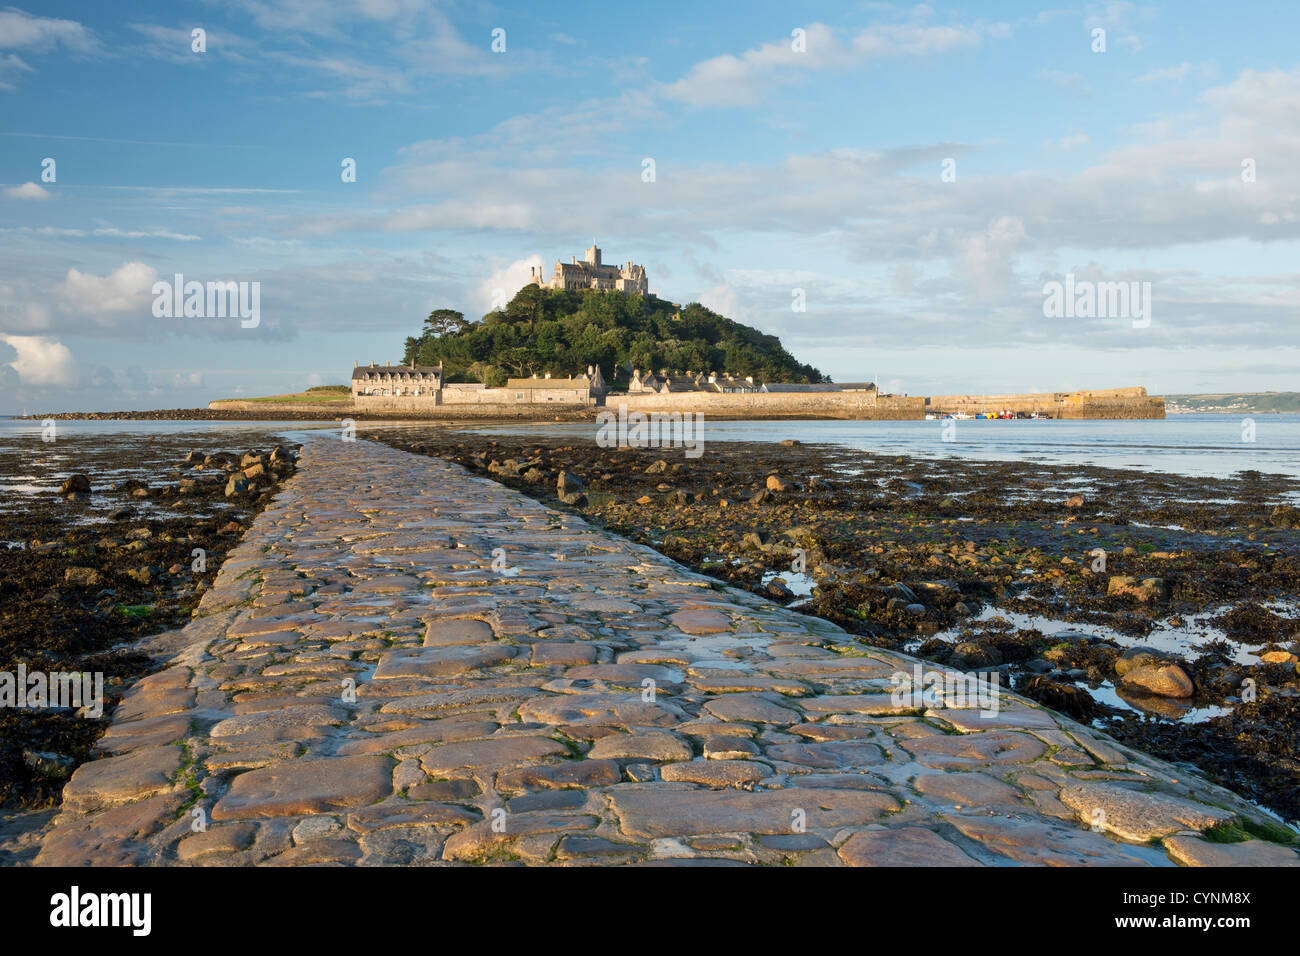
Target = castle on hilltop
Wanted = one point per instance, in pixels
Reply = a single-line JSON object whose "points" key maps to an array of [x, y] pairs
{"points": [[591, 273]]}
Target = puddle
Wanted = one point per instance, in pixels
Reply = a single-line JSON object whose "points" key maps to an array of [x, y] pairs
{"points": [[1185, 640]]}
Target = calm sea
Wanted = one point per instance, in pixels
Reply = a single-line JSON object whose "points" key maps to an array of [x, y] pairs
{"points": [[1210, 445]]}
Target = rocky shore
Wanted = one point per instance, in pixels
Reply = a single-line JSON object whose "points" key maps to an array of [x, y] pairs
{"points": [[117, 538], [1159, 608]]}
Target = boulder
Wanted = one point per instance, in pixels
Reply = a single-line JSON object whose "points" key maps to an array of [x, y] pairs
{"points": [[1163, 680], [75, 485], [1147, 590], [237, 485], [1135, 657], [778, 483], [657, 468], [567, 483], [81, 577]]}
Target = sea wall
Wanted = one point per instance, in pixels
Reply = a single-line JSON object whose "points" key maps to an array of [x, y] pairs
{"points": [[1094, 403], [857, 405], [1104, 404]]}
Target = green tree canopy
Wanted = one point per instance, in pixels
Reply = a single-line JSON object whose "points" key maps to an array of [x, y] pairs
{"points": [[564, 331]]}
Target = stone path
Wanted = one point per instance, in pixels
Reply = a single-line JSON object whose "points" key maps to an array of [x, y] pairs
{"points": [[405, 664]]}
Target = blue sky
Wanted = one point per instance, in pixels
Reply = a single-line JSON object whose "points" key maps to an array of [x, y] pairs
{"points": [[776, 169]]}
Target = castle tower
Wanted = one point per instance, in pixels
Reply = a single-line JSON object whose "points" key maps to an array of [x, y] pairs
{"points": [[592, 256]]}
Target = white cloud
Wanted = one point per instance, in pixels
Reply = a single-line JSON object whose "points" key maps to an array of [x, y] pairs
{"points": [[125, 289], [41, 362], [29, 191], [20, 30], [745, 80], [505, 281]]}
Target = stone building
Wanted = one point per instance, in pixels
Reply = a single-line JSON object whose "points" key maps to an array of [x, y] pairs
{"points": [[392, 380], [729, 384], [591, 273], [580, 389], [666, 382]]}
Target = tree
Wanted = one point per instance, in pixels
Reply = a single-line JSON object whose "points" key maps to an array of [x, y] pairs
{"points": [[564, 331], [444, 322]]}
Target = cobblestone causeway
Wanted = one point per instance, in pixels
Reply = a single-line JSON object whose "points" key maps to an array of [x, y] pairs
{"points": [[528, 689]]}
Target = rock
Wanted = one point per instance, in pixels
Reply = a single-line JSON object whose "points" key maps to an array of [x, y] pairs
{"points": [[1134, 657], [915, 610], [194, 458], [904, 846], [306, 785], [1139, 815], [576, 498], [641, 747], [251, 458], [645, 500], [651, 813], [755, 539], [969, 655], [790, 442], [778, 589], [75, 485], [1196, 851], [1272, 657], [657, 468], [257, 470], [567, 483], [534, 475], [1146, 590], [777, 483], [715, 773], [1167, 680], [1074, 501], [678, 498], [818, 484], [81, 577], [1284, 516], [762, 498], [49, 765], [237, 485]]}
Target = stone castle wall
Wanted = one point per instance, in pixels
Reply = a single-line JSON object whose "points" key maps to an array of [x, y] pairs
{"points": [[859, 405]]}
